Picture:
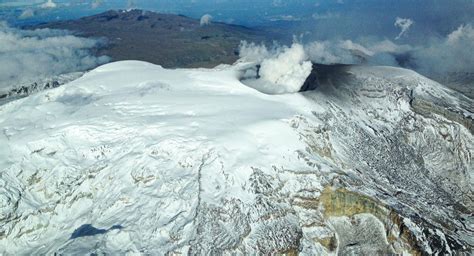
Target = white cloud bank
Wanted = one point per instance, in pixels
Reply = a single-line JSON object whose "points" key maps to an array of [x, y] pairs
{"points": [[434, 58], [96, 4], [455, 53], [27, 56]]}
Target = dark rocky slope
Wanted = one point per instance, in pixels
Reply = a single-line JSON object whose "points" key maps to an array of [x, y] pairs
{"points": [[163, 39]]}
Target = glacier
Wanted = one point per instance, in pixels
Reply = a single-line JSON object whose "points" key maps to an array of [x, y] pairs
{"points": [[132, 158]]}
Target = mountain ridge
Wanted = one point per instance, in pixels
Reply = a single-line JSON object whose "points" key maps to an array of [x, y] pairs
{"points": [[165, 39], [132, 157]]}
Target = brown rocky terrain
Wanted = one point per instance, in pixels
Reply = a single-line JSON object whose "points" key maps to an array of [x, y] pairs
{"points": [[163, 39]]}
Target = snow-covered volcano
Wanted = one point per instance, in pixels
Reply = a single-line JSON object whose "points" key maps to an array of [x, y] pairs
{"points": [[133, 158]]}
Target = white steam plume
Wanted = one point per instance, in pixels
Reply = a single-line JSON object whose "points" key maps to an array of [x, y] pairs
{"points": [[131, 4], [49, 4], [206, 19], [404, 25], [282, 69], [327, 52]]}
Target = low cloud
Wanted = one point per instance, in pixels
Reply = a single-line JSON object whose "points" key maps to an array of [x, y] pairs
{"points": [[404, 25], [326, 16], [95, 4], [131, 4], [451, 54], [27, 56], [328, 52], [28, 13], [435, 58], [278, 3], [284, 18], [349, 52], [206, 19], [49, 4], [19, 3], [275, 71]]}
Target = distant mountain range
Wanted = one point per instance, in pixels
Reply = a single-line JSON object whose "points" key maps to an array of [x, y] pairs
{"points": [[163, 39]]}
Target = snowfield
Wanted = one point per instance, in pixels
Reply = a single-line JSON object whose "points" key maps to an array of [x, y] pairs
{"points": [[135, 145], [132, 158]]}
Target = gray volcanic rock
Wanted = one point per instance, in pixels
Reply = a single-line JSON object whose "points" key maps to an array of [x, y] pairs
{"points": [[404, 136], [23, 90], [462, 82], [163, 39]]}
